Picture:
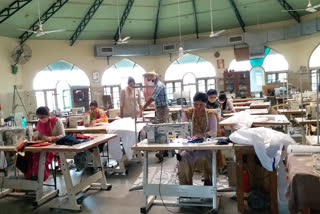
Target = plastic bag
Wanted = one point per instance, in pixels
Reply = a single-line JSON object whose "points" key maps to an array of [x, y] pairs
{"points": [[267, 144]]}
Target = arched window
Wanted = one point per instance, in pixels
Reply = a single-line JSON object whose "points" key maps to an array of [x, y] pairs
{"points": [[314, 62], [276, 67], [53, 85], [256, 79], [189, 72], [116, 77]]}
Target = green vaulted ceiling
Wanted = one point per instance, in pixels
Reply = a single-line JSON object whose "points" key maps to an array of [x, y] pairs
{"points": [[141, 21]]}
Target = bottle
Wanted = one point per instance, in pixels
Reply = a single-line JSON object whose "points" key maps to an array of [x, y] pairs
{"points": [[24, 122]]}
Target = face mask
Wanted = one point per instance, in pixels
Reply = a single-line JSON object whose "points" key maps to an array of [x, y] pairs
{"points": [[44, 120], [151, 83], [211, 100]]}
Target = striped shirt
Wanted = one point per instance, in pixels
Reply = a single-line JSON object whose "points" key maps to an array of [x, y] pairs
{"points": [[160, 94]]}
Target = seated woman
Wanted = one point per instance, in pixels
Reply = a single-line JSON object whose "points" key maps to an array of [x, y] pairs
{"points": [[49, 129], [96, 115], [212, 99], [205, 124], [225, 104]]}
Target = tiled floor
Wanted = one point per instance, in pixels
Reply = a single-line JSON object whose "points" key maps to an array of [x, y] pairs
{"points": [[117, 201]]}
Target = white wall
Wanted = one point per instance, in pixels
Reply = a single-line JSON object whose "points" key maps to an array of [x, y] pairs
{"points": [[45, 52]]}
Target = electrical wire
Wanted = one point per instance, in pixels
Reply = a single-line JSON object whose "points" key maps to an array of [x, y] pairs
{"points": [[211, 21], [118, 19], [179, 22], [161, 167]]}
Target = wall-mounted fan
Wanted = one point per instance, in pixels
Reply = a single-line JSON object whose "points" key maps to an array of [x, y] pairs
{"points": [[21, 54], [212, 34], [310, 8], [120, 40], [41, 31]]}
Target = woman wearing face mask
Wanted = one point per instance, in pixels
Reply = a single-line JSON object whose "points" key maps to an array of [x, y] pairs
{"points": [[127, 97], [225, 104], [212, 99], [49, 129], [204, 124]]}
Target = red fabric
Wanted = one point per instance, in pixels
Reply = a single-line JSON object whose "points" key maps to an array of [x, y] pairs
{"points": [[33, 164], [81, 136], [46, 128], [33, 157]]}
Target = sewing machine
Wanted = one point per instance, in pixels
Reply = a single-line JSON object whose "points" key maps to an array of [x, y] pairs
{"points": [[73, 120], [77, 111], [161, 133], [294, 104], [280, 92], [312, 111], [10, 136]]}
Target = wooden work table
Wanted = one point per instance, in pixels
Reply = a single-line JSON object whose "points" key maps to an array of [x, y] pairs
{"points": [[242, 104], [69, 201], [151, 190], [259, 178], [279, 120], [292, 111], [210, 145], [260, 105], [248, 99], [305, 121], [241, 108], [82, 129], [98, 139]]}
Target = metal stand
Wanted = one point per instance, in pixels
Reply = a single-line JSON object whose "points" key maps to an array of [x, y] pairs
{"points": [[70, 202], [14, 105], [33, 185], [151, 191]]}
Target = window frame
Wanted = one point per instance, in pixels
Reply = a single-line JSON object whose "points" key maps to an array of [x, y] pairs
{"points": [[112, 93], [206, 83], [46, 97], [277, 75]]}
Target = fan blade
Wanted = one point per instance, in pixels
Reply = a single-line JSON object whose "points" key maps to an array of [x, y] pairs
{"points": [[311, 10], [55, 31], [125, 39], [30, 31], [219, 32], [316, 6]]}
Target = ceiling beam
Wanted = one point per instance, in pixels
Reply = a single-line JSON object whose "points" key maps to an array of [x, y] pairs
{"points": [[55, 7], [123, 19], [287, 6], [84, 22], [195, 18], [155, 35], [236, 12], [12, 9]]}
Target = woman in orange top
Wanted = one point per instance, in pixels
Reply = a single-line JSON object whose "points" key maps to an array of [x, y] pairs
{"points": [[96, 115]]}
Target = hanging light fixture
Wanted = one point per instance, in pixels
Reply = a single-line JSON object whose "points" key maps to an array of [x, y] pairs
{"points": [[179, 22]]}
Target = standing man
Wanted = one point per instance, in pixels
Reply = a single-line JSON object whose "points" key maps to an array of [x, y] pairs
{"points": [[159, 95]]}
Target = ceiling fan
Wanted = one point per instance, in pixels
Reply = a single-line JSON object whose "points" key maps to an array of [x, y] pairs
{"points": [[41, 31], [212, 33], [310, 8], [120, 40]]}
